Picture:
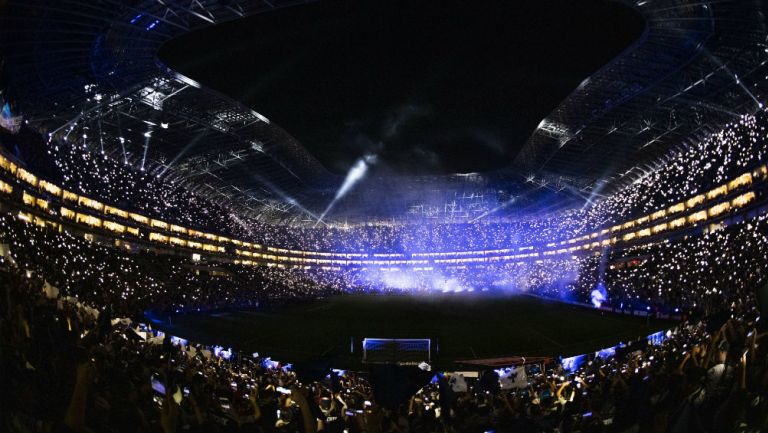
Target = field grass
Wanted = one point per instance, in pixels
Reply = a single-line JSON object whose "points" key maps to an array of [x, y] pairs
{"points": [[467, 326]]}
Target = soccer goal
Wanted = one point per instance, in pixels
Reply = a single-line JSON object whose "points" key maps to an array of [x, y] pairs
{"points": [[396, 350]]}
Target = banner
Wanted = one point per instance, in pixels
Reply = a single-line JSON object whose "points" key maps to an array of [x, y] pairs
{"points": [[513, 378]]}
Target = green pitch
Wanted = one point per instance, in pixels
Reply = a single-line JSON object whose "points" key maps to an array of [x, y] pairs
{"points": [[464, 326]]}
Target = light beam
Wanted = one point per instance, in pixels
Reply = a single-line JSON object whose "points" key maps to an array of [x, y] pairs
{"points": [[354, 176]]}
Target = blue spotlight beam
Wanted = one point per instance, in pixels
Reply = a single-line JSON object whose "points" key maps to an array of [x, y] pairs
{"points": [[354, 176]]}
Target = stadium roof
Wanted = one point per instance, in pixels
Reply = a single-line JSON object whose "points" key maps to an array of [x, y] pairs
{"points": [[88, 70], [428, 90]]}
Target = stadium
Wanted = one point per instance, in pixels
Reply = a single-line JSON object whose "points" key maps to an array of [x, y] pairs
{"points": [[383, 216]]}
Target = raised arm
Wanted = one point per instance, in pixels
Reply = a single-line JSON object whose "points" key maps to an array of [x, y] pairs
{"points": [[297, 394], [75, 416]]}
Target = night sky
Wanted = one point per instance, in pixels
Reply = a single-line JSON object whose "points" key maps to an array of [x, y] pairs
{"points": [[429, 87]]}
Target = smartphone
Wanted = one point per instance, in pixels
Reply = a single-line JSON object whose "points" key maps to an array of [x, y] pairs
{"points": [[157, 386]]}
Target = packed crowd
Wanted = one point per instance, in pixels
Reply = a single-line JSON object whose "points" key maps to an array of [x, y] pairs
{"points": [[76, 364], [680, 175], [687, 171], [132, 281], [74, 358], [706, 376], [650, 279]]}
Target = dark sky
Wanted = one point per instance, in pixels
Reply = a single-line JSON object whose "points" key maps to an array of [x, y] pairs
{"points": [[430, 87]]}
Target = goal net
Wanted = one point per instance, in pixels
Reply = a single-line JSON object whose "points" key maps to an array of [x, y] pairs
{"points": [[396, 350]]}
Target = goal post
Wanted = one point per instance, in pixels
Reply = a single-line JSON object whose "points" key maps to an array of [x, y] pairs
{"points": [[397, 350]]}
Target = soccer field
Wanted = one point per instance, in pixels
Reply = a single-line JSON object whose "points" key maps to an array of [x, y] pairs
{"points": [[465, 326]]}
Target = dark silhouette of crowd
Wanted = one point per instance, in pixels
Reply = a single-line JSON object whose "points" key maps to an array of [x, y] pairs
{"points": [[75, 359]]}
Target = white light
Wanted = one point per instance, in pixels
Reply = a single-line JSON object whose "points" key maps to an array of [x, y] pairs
{"points": [[187, 80], [260, 117]]}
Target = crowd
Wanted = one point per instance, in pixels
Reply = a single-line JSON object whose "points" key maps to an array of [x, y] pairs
{"points": [[73, 362], [642, 277], [132, 281], [75, 358], [682, 174], [645, 275]]}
